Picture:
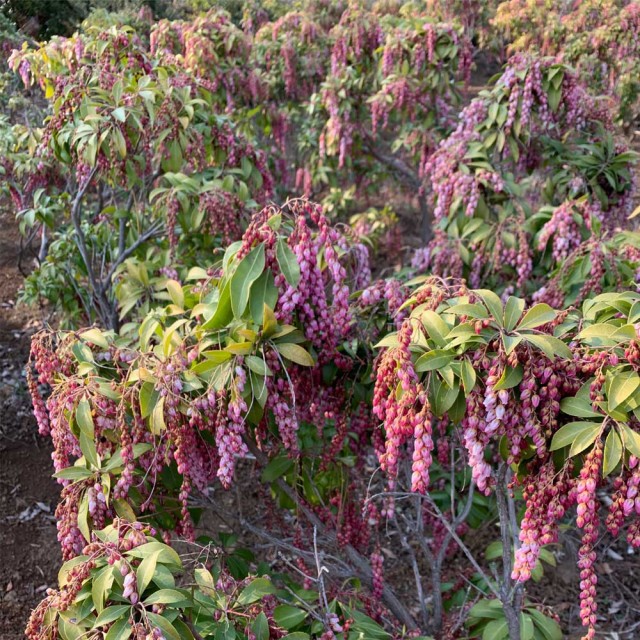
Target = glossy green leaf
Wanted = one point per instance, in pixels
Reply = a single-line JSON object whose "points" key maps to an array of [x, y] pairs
{"points": [[112, 613], [223, 313], [551, 346], [260, 627], [246, 273], [101, 587], [513, 312], [295, 353], [145, 571], [511, 376], [496, 630], [468, 376], [612, 453], [288, 263], [257, 589], [84, 418], [288, 616], [166, 596], [579, 407], [493, 303], [120, 630], [568, 433], [168, 630], [585, 439], [547, 626], [622, 387], [537, 316], [631, 439], [435, 359]]}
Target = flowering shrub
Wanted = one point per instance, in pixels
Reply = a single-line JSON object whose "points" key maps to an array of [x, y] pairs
{"points": [[128, 584], [597, 38], [531, 181], [523, 385], [150, 163]]}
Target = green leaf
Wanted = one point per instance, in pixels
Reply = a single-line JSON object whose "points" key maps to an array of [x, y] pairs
{"points": [[622, 387], [145, 571], [247, 272], [166, 596], [510, 378], [263, 292], [487, 609], [166, 555], [148, 398], [84, 418], [612, 453], [436, 327], [510, 342], [95, 336], [88, 448], [73, 473], [288, 616], [256, 590], [496, 630], [124, 510], [538, 315], [120, 630], [598, 334], [468, 376], [176, 293], [512, 312], [277, 467], [260, 627], [579, 407], [257, 365], [101, 587], [493, 303], [493, 551], [112, 613], [526, 627], [157, 422], [548, 627], [389, 341], [585, 439], [476, 311], [223, 313], [444, 397], [436, 359], [631, 439], [568, 433], [551, 347], [168, 630], [288, 262], [295, 353]]}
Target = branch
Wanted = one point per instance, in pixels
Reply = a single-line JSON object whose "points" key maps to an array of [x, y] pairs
{"points": [[354, 557], [510, 601], [154, 230], [463, 547], [103, 307], [393, 162], [416, 574], [410, 176]]}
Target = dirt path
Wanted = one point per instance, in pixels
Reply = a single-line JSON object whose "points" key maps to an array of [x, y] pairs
{"points": [[29, 553]]}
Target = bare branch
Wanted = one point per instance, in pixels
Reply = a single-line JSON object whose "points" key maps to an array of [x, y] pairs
{"points": [[360, 563]]}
